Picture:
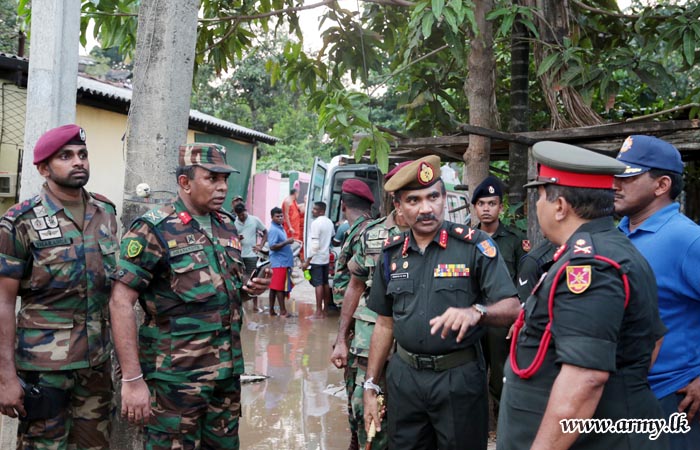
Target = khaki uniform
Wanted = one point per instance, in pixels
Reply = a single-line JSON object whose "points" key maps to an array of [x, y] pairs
{"points": [[63, 336]]}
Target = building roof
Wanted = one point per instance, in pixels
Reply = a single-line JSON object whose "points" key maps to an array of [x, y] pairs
{"points": [[91, 89]]}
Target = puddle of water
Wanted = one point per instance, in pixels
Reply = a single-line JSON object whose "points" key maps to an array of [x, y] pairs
{"points": [[302, 404]]}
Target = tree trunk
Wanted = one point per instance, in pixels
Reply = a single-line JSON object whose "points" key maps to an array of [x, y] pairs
{"points": [[480, 90], [519, 109], [157, 124]]}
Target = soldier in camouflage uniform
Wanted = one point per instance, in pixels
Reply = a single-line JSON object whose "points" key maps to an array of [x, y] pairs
{"points": [[361, 267], [182, 262], [57, 252], [512, 245], [356, 205]]}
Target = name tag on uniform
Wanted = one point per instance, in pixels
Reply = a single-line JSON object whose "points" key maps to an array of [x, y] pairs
{"points": [[451, 270], [185, 250], [53, 242], [398, 276]]}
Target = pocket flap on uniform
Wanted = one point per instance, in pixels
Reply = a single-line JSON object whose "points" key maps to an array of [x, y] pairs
{"points": [[108, 246], [188, 262], [195, 323], [45, 319], [400, 286], [528, 398], [451, 284]]}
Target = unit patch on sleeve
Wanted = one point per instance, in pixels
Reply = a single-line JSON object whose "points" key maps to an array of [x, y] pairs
{"points": [[134, 248], [487, 248], [578, 278]]}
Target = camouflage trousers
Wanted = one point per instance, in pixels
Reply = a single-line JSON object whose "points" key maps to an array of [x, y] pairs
{"points": [[381, 439], [85, 424], [349, 378], [194, 415]]}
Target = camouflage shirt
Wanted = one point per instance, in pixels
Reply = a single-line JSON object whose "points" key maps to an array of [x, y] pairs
{"points": [[368, 256], [188, 287], [341, 279], [64, 275], [362, 265]]}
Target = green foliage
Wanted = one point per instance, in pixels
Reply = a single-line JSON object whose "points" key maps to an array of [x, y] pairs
{"points": [[9, 26]]}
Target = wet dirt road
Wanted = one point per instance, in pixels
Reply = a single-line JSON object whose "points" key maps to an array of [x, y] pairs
{"points": [[302, 404]]}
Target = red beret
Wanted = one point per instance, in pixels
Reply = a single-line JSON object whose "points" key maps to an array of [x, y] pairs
{"points": [[55, 139], [359, 188]]}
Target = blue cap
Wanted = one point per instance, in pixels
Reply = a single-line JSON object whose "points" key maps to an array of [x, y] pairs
{"points": [[490, 187], [643, 153]]}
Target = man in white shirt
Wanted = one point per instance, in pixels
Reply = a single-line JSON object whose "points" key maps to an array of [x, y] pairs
{"points": [[249, 228], [318, 257]]}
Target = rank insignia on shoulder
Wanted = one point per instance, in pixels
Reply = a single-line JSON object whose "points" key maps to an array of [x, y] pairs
{"points": [[190, 239], [134, 248], [581, 247], [470, 233], [487, 248], [172, 243], [526, 245], [578, 278], [459, 230]]}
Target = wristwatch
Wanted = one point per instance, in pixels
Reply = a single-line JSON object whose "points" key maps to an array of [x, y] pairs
{"points": [[369, 384], [481, 309]]}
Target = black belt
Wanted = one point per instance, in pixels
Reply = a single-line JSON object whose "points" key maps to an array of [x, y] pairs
{"points": [[437, 362]]}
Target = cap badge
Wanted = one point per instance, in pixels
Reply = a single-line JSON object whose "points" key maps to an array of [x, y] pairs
{"points": [[625, 146], [491, 190], [425, 173], [578, 278], [81, 133]]}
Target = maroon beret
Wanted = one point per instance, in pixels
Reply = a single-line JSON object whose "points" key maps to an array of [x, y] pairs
{"points": [[359, 188], [55, 139]]}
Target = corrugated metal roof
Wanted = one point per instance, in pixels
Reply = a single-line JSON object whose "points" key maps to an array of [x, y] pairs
{"points": [[109, 91], [11, 56]]}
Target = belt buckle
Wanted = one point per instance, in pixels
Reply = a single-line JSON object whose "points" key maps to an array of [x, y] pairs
{"points": [[425, 362]]}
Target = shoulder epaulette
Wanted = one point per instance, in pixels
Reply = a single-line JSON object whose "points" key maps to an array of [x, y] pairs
{"points": [[103, 199], [20, 208], [157, 215], [463, 232], [582, 246], [396, 240]]}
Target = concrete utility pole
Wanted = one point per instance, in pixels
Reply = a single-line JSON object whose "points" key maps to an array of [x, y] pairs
{"points": [[160, 105], [158, 119], [53, 78]]}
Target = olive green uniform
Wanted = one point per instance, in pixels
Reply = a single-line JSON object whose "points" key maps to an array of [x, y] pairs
{"points": [[188, 281], [437, 387], [63, 337], [511, 245], [591, 327], [532, 266]]}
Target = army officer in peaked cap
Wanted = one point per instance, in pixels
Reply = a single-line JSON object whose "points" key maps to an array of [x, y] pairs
{"points": [[183, 263], [437, 285], [583, 344]]}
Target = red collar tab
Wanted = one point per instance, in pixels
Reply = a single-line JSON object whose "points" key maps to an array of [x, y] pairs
{"points": [[404, 249], [573, 179], [443, 239], [559, 252], [185, 217]]}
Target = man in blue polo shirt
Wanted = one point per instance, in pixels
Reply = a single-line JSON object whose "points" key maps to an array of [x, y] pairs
{"points": [[645, 195]]}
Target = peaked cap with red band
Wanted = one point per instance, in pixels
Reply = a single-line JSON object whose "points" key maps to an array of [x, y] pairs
{"points": [[418, 174], [568, 165]]}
